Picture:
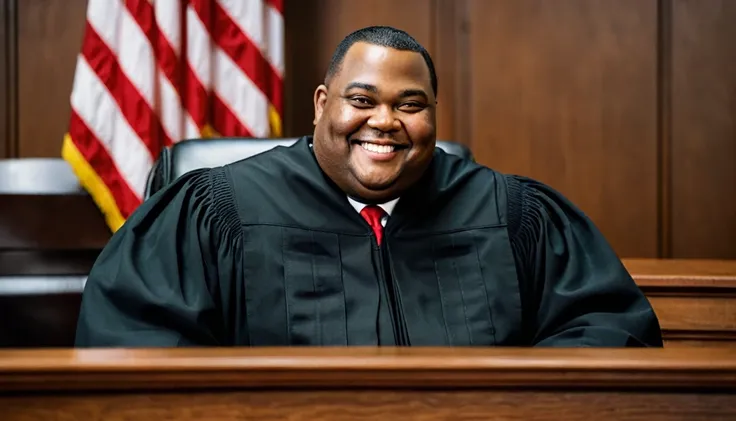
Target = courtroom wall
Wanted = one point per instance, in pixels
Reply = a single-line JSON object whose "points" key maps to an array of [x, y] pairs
{"points": [[628, 107]]}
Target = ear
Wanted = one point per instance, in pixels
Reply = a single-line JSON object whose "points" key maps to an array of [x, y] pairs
{"points": [[320, 99]]}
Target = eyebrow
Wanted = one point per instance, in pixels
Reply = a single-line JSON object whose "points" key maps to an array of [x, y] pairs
{"points": [[414, 92], [372, 88], [360, 85]]}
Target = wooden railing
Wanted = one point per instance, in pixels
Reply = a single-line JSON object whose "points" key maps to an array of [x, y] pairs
{"points": [[368, 384], [695, 300]]}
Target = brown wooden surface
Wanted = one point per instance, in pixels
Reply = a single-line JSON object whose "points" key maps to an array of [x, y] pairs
{"points": [[416, 368], [704, 128], [49, 40], [572, 104], [4, 27], [368, 384], [682, 273], [40, 222], [7, 78], [380, 405], [450, 52], [695, 299]]}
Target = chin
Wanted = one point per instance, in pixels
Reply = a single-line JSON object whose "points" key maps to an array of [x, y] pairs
{"points": [[372, 196], [377, 183], [375, 191]]}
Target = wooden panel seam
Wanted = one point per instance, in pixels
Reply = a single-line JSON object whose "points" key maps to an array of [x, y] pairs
{"points": [[664, 132], [11, 78], [462, 101], [4, 81]]}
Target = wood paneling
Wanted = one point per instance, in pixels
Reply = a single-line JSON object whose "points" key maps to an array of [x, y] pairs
{"points": [[8, 72], [695, 300], [372, 405], [4, 27], [315, 27], [565, 92], [49, 38], [704, 128], [452, 63]]}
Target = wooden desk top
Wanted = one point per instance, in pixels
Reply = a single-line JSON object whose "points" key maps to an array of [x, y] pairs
{"points": [[171, 369]]}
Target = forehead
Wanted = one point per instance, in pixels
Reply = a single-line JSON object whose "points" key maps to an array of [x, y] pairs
{"points": [[383, 66]]}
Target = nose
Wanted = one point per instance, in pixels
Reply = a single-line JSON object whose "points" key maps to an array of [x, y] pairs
{"points": [[384, 120]]}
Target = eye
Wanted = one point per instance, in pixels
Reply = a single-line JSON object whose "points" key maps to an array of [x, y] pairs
{"points": [[361, 101], [412, 107]]}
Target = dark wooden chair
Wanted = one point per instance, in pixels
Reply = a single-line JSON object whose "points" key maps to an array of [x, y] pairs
{"points": [[50, 235]]}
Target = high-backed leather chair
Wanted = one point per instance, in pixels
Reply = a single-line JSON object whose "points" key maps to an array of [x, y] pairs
{"points": [[192, 154]]}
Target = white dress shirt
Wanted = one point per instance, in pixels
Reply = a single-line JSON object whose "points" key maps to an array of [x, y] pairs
{"points": [[388, 207]]}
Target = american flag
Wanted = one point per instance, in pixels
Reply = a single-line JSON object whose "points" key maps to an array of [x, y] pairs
{"points": [[154, 72]]}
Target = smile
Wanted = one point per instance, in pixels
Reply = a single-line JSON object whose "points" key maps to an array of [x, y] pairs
{"points": [[382, 149]]}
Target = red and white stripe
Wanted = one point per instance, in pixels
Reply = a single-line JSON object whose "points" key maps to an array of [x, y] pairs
{"points": [[153, 72]]}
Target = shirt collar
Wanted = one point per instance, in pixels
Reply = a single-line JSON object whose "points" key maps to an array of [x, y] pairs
{"points": [[388, 207]]}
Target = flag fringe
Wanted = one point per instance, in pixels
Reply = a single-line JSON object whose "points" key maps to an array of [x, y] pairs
{"points": [[274, 120], [91, 181]]}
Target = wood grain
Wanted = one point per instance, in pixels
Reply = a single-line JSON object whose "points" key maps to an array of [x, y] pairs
{"points": [[374, 405], [8, 78], [714, 313], [452, 62], [49, 40], [368, 384], [704, 129], [683, 273], [565, 92], [694, 299], [4, 63], [413, 368]]}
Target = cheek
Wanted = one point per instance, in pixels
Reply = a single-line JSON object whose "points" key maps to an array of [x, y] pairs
{"points": [[346, 120], [421, 129]]}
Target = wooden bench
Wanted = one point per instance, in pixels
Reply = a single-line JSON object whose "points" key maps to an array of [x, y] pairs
{"points": [[695, 300], [369, 384]]}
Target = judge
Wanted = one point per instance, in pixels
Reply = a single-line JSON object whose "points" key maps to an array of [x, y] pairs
{"points": [[362, 234]]}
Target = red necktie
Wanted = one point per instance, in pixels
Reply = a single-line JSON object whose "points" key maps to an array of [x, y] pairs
{"points": [[373, 215]]}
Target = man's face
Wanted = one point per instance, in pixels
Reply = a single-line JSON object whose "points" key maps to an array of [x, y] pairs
{"points": [[375, 124]]}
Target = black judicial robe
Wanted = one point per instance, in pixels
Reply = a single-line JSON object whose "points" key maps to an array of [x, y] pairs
{"points": [[268, 251]]}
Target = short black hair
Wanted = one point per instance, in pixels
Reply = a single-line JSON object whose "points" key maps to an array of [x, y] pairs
{"points": [[384, 36]]}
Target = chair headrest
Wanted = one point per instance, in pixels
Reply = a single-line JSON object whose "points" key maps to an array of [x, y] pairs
{"points": [[193, 154]]}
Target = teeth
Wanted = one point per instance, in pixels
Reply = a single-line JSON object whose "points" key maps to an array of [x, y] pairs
{"points": [[377, 148]]}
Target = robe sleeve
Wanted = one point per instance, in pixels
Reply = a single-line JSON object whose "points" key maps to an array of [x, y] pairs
{"points": [[575, 290], [162, 278]]}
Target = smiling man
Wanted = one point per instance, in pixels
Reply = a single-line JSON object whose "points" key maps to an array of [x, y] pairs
{"points": [[363, 234]]}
